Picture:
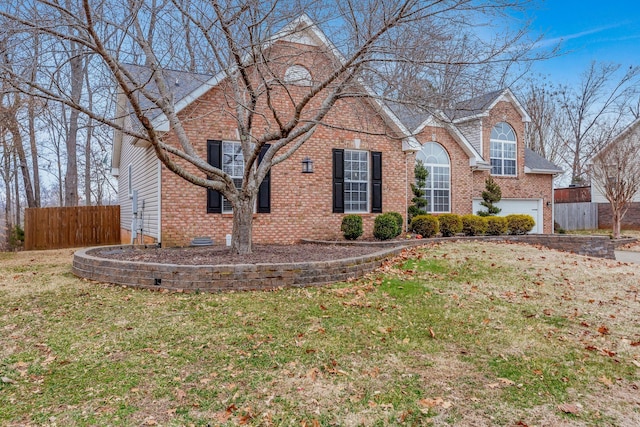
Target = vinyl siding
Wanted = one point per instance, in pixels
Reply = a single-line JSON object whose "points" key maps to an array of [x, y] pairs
{"points": [[145, 172]]}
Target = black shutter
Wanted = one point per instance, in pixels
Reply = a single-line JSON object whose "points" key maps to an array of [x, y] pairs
{"points": [[338, 181], [214, 158], [376, 182], [264, 192]]}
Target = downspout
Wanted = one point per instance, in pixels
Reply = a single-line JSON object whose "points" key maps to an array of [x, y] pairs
{"points": [[406, 191], [159, 179]]}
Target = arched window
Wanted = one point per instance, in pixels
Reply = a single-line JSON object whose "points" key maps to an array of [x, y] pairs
{"points": [[438, 185], [503, 150], [297, 75]]}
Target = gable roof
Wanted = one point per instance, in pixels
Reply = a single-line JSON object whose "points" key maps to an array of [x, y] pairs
{"points": [[191, 86], [535, 163], [480, 106], [623, 134]]}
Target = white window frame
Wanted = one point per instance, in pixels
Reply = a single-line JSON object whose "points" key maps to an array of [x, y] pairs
{"points": [[355, 177], [427, 155], [498, 152], [298, 75], [232, 170]]}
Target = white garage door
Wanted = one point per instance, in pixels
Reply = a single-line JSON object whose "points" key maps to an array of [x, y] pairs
{"points": [[531, 207]]}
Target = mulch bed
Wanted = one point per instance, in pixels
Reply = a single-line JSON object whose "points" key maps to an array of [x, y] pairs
{"points": [[216, 255]]}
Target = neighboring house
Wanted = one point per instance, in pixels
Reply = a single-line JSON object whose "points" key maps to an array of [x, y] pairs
{"points": [[365, 172], [631, 219]]}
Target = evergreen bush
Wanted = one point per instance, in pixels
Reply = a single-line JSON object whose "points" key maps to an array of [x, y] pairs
{"points": [[419, 201], [490, 196], [473, 225], [450, 224], [425, 225], [496, 225], [399, 220], [519, 224], [385, 227], [351, 226]]}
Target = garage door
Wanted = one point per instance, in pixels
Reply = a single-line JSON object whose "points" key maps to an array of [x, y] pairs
{"points": [[531, 207]]}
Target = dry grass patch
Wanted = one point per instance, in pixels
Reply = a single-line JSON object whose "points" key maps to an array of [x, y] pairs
{"points": [[452, 334]]}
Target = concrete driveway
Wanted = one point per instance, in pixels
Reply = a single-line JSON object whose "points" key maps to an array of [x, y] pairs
{"points": [[628, 256]]}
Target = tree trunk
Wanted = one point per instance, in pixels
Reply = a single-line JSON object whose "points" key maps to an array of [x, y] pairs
{"points": [[17, 188], [14, 129], [34, 152], [6, 176], [87, 166], [242, 234], [71, 176], [617, 219]]}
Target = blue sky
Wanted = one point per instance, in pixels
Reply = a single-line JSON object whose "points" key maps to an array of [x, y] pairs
{"points": [[605, 31]]}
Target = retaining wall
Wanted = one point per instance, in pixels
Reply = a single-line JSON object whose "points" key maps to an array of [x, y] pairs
{"points": [[213, 278]]}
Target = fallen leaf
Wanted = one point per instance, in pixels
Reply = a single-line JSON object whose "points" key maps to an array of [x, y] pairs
{"points": [[506, 381], [7, 380], [606, 381], [312, 374], [569, 408], [603, 330]]}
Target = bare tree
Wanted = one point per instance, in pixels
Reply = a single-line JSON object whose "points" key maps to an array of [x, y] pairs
{"points": [[594, 112], [236, 38], [615, 171]]}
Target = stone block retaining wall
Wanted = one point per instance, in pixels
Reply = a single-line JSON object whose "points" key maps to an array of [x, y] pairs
{"points": [[213, 278]]}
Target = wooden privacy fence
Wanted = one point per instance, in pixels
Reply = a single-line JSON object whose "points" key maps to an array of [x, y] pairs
{"points": [[576, 216], [56, 228]]}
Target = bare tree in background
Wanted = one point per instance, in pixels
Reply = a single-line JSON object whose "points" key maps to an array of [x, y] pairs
{"points": [[594, 112], [373, 39], [615, 171], [540, 101]]}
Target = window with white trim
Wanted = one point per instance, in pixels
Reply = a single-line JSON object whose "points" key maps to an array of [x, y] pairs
{"points": [[233, 165], [503, 150], [438, 183], [356, 181], [297, 75]]}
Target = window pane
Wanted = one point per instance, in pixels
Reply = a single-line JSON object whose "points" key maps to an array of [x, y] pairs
{"points": [[232, 164], [356, 175]]}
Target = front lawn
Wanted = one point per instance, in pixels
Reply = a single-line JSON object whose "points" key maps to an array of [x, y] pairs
{"points": [[455, 334]]}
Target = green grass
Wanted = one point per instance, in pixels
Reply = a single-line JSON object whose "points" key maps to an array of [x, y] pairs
{"points": [[437, 325]]}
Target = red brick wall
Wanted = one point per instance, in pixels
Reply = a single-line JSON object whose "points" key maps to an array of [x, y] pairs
{"points": [[301, 204], [631, 220]]}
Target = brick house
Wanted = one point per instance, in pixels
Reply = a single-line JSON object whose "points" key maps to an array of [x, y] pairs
{"points": [[363, 160], [482, 137]]}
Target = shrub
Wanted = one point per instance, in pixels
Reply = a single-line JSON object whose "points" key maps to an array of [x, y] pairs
{"points": [[351, 227], [16, 237], [419, 206], [399, 220], [558, 228], [490, 196], [519, 224], [425, 225], [496, 225], [450, 224], [473, 225], [385, 227]]}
